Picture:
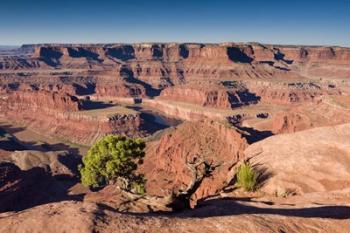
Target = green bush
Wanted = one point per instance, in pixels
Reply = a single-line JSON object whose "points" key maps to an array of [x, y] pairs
{"points": [[114, 159], [247, 177]]}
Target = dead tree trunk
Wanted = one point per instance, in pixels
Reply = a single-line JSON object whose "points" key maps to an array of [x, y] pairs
{"points": [[199, 170]]}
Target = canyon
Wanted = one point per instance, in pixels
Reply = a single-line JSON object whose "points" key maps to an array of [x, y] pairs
{"points": [[202, 110]]}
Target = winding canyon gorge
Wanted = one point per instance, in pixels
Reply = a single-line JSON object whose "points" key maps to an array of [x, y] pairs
{"points": [[284, 109]]}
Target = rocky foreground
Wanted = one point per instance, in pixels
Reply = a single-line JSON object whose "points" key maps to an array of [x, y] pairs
{"points": [[299, 194], [87, 217]]}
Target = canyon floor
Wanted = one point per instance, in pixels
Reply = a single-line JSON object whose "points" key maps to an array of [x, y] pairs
{"points": [[283, 109]]}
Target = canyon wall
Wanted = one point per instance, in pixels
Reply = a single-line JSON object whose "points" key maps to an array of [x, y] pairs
{"points": [[182, 112], [127, 70], [209, 96], [163, 65], [40, 101], [173, 52], [191, 81], [59, 115]]}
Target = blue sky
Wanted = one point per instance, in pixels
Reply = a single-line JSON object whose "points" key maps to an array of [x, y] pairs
{"points": [[268, 21]]}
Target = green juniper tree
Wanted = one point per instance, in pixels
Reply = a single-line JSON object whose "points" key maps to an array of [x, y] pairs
{"points": [[114, 159]]}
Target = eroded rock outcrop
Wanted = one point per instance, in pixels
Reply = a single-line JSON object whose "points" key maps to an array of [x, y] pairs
{"points": [[192, 152], [82, 128], [290, 122], [39, 101], [59, 115], [290, 92], [209, 96]]}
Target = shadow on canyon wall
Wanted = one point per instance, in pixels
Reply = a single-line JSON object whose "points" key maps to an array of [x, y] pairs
{"points": [[8, 142], [127, 73], [87, 89], [243, 98], [50, 56], [82, 52], [11, 143], [237, 55], [154, 121], [123, 53], [253, 135], [91, 105], [36, 186]]}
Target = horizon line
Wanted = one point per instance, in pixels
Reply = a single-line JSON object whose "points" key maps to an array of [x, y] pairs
{"points": [[174, 42]]}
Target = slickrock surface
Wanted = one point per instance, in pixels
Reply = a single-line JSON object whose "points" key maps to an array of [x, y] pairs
{"points": [[88, 217], [125, 202], [315, 160]]}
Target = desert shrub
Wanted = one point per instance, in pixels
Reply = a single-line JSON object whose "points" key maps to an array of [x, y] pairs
{"points": [[247, 177], [114, 159]]}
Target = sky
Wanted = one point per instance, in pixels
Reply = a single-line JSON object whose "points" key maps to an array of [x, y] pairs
{"points": [[307, 22]]}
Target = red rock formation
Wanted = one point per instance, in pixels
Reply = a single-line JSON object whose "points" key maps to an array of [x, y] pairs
{"points": [[40, 100], [176, 52], [290, 122], [162, 65], [330, 55], [55, 114], [181, 112], [190, 73], [287, 96], [79, 127], [291, 92], [207, 98], [168, 161], [192, 55], [113, 89]]}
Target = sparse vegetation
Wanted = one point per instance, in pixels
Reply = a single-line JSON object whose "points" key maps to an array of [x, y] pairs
{"points": [[114, 159], [247, 177], [284, 192]]}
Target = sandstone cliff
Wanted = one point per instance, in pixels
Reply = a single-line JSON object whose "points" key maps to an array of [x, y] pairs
{"points": [[56, 114]]}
